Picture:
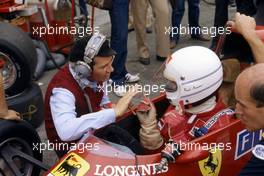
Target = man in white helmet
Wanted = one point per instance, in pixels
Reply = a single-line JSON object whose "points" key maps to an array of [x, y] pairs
{"points": [[194, 75]]}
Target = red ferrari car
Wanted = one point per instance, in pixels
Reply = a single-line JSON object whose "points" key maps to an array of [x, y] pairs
{"points": [[222, 152]]}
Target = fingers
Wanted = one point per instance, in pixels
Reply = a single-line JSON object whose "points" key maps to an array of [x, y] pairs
{"points": [[132, 91], [237, 15], [231, 24], [245, 25], [242, 18], [13, 115], [124, 102]]}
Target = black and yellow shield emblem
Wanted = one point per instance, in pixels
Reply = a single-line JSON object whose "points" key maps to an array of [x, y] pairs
{"points": [[211, 165], [72, 165]]}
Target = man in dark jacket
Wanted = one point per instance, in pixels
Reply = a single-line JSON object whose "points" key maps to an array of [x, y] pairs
{"points": [[249, 90]]}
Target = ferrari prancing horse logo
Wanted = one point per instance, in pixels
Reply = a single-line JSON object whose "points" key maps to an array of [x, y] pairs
{"points": [[211, 165]]}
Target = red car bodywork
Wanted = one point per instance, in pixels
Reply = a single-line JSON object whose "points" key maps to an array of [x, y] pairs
{"points": [[103, 159]]}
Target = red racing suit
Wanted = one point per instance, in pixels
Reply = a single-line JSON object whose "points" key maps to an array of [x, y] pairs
{"points": [[182, 127]]}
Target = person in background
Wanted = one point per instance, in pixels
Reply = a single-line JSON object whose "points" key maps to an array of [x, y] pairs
{"points": [[247, 7], [161, 12], [119, 35], [220, 18], [178, 8], [246, 26], [149, 20], [83, 8]]}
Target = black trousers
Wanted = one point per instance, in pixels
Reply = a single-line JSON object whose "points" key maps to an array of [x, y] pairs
{"points": [[246, 7], [220, 19], [260, 13], [221, 13]]}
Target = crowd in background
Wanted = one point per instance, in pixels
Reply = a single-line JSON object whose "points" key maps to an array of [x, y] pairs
{"points": [[163, 14]]}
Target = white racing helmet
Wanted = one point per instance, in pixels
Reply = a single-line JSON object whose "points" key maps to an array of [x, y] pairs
{"points": [[194, 73]]}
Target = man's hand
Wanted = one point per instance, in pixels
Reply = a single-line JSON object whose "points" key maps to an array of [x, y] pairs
{"points": [[122, 105], [11, 115], [245, 25]]}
